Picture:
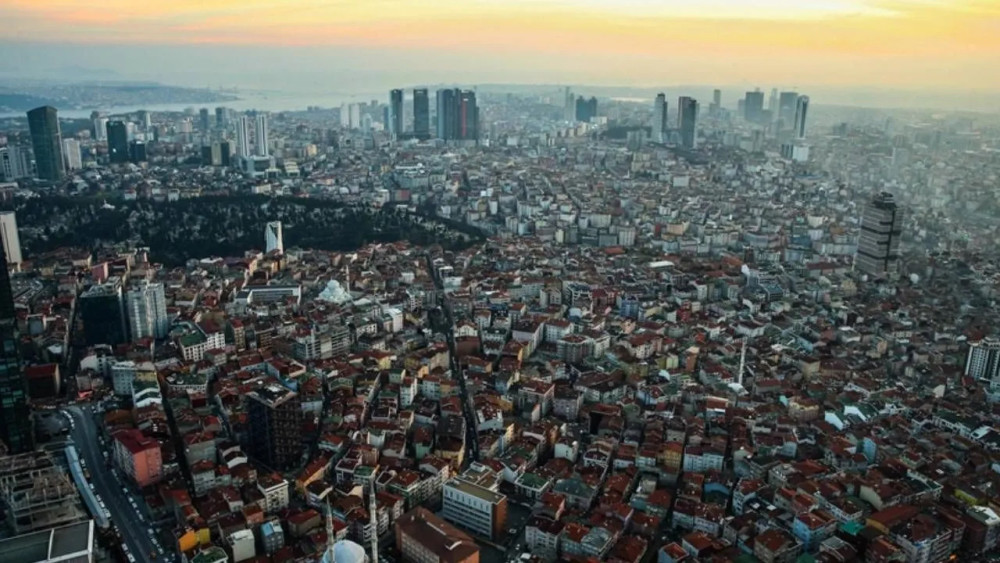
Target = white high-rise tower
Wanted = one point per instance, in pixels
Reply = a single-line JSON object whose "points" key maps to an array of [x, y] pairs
{"points": [[11, 240], [273, 239], [243, 137], [260, 139], [146, 309]]}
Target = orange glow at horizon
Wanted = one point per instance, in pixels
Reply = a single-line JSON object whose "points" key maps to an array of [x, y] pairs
{"points": [[892, 42]]}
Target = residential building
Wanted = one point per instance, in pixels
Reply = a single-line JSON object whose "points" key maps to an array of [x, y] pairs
{"points": [[881, 230], [475, 507], [423, 537], [138, 456], [10, 238], [146, 310], [275, 425]]}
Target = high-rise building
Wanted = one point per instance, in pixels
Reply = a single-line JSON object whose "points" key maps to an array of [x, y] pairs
{"points": [[14, 163], [100, 127], [717, 99], [275, 425], [273, 239], [801, 110], [243, 137], [983, 360], [103, 314], [421, 114], [43, 122], [10, 238], [772, 102], [659, 127], [468, 116], [71, 151], [687, 121], [261, 140], [753, 106], [117, 142], [881, 229], [146, 310], [137, 151], [786, 109], [204, 122], [396, 112], [569, 105], [447, 114], [422, 125], [586, 110], [221, 117], [16, 428]]}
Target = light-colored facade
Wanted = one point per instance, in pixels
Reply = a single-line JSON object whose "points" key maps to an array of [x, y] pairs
{"points": [[273, 237], [11, 240], [146, 309], [475, 508]]}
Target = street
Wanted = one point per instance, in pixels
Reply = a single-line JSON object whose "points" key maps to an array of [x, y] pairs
{"points": [[132, 528]]}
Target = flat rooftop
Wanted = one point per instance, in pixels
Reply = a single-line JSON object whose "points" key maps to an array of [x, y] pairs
{"points": [[58, 544]]}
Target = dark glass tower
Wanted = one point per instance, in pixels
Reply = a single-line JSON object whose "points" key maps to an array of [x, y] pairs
{"points": [[754, 106], [447, 114], [421, 114], [396, 112], [117, 142], [468, 116], [16, 429], [47, 141], [687, 121]]}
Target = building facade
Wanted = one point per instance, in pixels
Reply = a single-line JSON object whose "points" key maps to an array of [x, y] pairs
{"points": [[46, 138], [881, 230]]}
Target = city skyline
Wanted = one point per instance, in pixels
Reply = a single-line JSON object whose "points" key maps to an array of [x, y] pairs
{"points": [[838, 43]]}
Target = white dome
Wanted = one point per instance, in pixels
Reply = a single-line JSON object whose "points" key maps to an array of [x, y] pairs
{"points": [[346, 551]]}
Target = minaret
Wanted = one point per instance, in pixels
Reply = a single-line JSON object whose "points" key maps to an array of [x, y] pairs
{"points": [[743, 362], [329, 533], [374, 524]]}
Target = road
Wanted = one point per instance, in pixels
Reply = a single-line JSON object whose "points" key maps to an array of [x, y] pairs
{"points": [[133, 530]]}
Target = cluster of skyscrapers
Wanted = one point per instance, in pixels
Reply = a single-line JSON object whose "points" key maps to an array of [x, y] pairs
{"points": [[457, 115], [685, 134], [786, 111], [578, 108]]}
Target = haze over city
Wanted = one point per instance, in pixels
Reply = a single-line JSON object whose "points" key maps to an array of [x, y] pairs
{"points": [[921, 52]]}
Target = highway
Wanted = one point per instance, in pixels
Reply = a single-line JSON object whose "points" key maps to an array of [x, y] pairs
{"points": [[133, 530]]}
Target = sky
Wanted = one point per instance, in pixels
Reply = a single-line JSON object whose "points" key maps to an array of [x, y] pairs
{"points": [[917, 45]]}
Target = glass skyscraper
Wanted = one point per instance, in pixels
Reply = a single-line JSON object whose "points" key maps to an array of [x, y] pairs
{"points": [[47, 142], [16, 428]]}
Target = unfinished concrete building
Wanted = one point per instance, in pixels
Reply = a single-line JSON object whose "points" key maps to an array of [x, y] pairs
{"points": [[37, 494]]}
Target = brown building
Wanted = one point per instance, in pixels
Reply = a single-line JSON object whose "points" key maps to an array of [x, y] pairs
{"points": [[423, 537]]}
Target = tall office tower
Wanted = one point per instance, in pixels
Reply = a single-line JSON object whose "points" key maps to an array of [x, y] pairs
{"points": [[447, 114], [103, 314], [146, 310], [273, 239], [356, 115], [137, 151], [569, 105], [225, 152], [274, 417], [261, 141], [772, 102], [9, 237], [204, 123], [687, 121], [753, 106], [396, 112], [878, 245], [101, 128], [717, 99], [146, 118], [71, 150], [801, 110], [983, 360], [421, 114], [220, 117], [786, 108], [14, 163], [243, 137], [117, 142], [468, 116], [586, 110], [43, 122], [659, 131], [16, 429]]}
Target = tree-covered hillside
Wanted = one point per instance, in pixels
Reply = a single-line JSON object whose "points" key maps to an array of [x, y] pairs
{"points": [[224, 225]]}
